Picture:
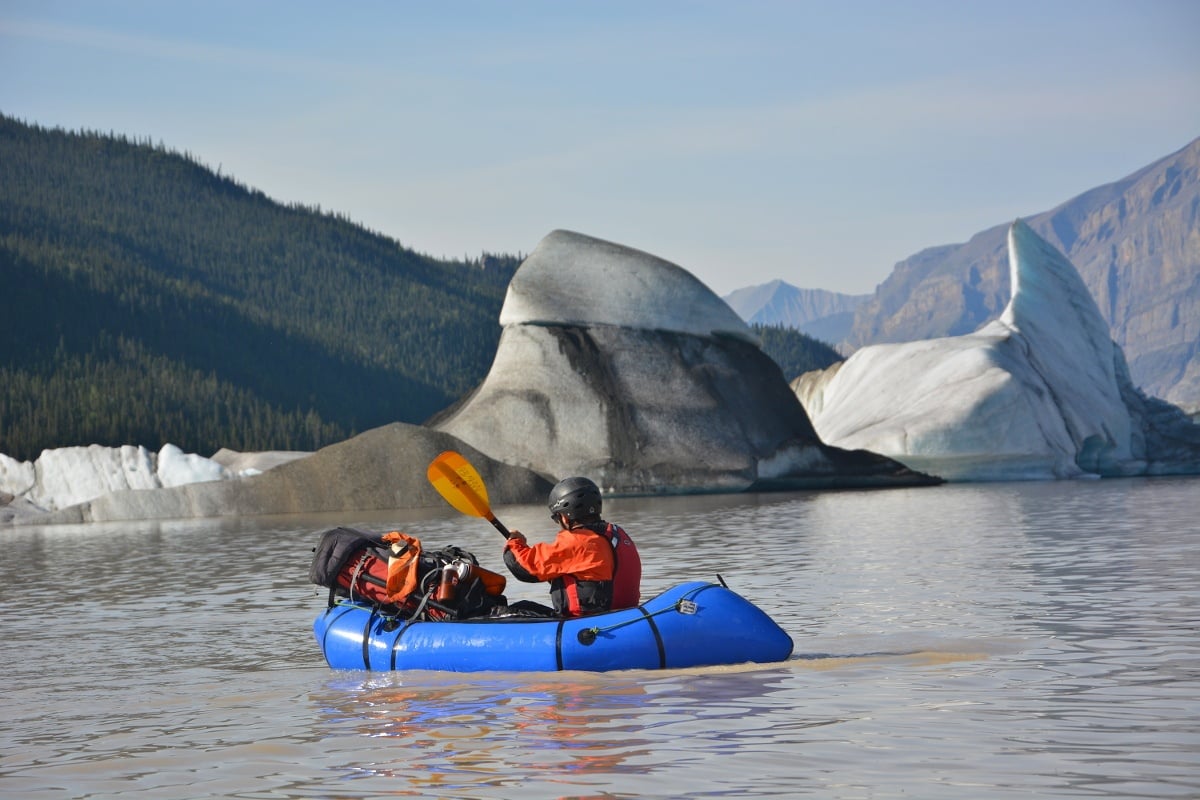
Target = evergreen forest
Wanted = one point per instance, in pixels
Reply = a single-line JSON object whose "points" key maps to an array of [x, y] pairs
{"points": [[146, 299], [794, 352]]}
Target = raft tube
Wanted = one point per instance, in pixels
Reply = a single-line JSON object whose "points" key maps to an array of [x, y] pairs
{"points": [[689, 625]]}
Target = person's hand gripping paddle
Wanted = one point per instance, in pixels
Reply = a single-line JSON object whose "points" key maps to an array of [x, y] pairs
{"points": [[459, 483]]}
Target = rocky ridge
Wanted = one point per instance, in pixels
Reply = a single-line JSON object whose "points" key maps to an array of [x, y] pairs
{"points": [[1136, 245]]}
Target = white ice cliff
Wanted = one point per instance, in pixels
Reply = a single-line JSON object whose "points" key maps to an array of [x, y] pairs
{"points": [[66, 476], [1042, 392]]}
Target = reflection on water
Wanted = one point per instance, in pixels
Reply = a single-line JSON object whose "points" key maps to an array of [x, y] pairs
{"points": [[979, 640], [449, 736], [455, 735]]}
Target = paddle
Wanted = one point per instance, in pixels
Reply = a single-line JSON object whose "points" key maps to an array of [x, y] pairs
{"points": [[458, 482]]}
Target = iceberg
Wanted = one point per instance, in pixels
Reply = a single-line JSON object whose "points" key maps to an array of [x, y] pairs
{"points": [[65, 476], [1042, 392], [619, 365], [577, 280], [68, 476]]}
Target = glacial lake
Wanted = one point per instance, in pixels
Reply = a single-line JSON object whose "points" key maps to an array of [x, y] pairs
{"points": [[988, 640]]}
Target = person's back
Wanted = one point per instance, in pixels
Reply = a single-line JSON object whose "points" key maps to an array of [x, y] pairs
{"points": [[627, 577], [592, 565]]}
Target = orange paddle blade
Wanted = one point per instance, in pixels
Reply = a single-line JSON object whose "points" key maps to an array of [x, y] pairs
{"points": [[459, 483]]}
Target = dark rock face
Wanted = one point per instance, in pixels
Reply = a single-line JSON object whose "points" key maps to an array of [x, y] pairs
{"points": [[1136, 244], [650, 406]]}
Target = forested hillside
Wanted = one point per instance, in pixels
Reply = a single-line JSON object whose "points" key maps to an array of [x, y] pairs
{"points": [[794, 352], [146, 299]]}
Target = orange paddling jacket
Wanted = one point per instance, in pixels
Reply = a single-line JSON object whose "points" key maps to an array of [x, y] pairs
{"points": [[591, 568]]}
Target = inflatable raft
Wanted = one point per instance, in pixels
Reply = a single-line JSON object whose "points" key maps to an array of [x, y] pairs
{"points": [[689, 625]]}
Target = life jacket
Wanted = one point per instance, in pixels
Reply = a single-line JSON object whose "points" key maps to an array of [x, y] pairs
{"points": [[575, 597], [627, 571]]}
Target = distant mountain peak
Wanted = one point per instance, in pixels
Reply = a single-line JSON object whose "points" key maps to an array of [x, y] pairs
{"points": [[820, 313]]}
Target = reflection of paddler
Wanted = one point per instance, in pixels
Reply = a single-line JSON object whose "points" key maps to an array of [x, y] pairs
{"points": [[428, 721], [575, 718]]}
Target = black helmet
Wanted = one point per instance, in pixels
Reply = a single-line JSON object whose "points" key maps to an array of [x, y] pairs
{"points": [[577, 499]]}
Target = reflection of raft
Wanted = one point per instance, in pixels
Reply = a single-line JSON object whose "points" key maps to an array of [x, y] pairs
{"points": [[690, 625]]}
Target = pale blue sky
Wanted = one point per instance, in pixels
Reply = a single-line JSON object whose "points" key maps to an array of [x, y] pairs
{"points": [[814, 142]]}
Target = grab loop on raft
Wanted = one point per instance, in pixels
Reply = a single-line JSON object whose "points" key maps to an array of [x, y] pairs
{"points": [[682, 605]]}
